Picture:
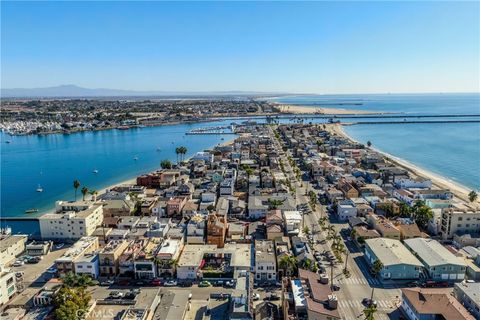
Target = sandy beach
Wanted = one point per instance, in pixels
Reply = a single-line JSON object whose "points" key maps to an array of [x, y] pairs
{"points": [[321, 110], [438, 181]]}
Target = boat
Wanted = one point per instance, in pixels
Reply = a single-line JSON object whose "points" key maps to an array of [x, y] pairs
{"points": [[8, 141], [95, 171], [39, 188], [158, 149], [31, 211], [135, 158]]}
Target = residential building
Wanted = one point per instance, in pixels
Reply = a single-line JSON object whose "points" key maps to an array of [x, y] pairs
{"points": [[440, 264], [175, 205], [293, 222], [7, 285], [38, 248], [87, 264], [190, 261], [311, 298], [196, 229], [66, 263], [109, 257], [398, 262], [11, 246], [427, 304], [71, 224], [265, 261], [227, 187], [385, 227], [216, 229], [346, 209], [144, 264], [258, 206], [459, 221], [468, 294], [167, 257]]}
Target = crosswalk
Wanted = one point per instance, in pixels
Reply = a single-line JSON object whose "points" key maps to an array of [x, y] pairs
{"points": [[358, 280], [381, 304]]}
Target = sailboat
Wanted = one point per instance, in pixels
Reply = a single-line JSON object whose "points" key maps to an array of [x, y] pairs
{"points": [[39, 188], [95, 171], [135, 158]]}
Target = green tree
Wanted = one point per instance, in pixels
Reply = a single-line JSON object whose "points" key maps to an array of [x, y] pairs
{"points": [[472, 196], [274, 203], [166, 164], [70, 303], [177, 151], [404, 210], [288, 263], [369, 143], [93, 193], [183, 152], [322, 222], [377, 266], [84, 192], [369, 312], [306, 230], [76, 185], [422, 214]]}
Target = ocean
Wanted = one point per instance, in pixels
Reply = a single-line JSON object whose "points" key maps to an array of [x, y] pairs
{"points": [[451, 150]]}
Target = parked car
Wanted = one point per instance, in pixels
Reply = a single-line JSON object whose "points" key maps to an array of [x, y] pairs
{"points": [[18, 263], [335, 287], [185, 284], [156, 282], [52, 270], [107, 283], [59, 246], [124, 282], [204, 284], [116, 295], [256, 297], [33, 260], [229, 284], [272, 297], [170, 283]]}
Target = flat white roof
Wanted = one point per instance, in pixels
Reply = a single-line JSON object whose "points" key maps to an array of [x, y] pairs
{"points": [[298, 293]]}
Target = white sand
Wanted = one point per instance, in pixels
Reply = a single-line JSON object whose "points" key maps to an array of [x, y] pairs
{"points": [[320, 110], [441, 182]]}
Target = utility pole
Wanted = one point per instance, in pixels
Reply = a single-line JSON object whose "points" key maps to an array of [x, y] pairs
{"points": [[346, 261], [331, 275]]}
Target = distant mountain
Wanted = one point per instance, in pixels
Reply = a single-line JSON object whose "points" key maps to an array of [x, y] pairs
{"points": [[73, 91]]}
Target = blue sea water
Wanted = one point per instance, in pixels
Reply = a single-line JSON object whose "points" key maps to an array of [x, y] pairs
{"points": [[54, 161], [451, 150]]}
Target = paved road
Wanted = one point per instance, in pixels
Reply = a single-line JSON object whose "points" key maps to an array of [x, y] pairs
{"points": [[360, 283]]}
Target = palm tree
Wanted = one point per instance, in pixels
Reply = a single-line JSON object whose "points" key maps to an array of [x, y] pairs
{"points": [[166, 164], [274, 203], [322, 221], [306, 230], [93, 193], [183, 152], [76, 184], [472, 196], [369, 311], [177, 151], [369, 143], [353, 234], [288, 263], [84, 192]]}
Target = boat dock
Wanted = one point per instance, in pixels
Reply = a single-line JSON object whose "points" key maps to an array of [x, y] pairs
{"points": [[213, 130]]}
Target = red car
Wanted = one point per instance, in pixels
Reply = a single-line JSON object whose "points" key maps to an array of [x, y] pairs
{"points": [[156, 282]]}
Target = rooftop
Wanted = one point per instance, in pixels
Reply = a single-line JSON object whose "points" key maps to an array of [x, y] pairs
{"points": [[392, 252], [432, 252]]}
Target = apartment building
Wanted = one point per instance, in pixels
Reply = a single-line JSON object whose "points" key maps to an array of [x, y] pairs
{"points": [[11, 246], [459, 221], [72, 224]]}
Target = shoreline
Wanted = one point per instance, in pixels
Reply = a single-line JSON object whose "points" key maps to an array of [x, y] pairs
{"points": [[298, 109], [460, 191]]}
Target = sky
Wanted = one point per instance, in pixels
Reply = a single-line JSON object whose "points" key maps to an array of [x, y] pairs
{"points": [[301, 47]]}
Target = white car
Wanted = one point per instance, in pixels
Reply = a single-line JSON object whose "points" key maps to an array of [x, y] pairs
{"points": [[52, 270], [171, 283], [59, 246], [256, 297], [18, 263]]}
